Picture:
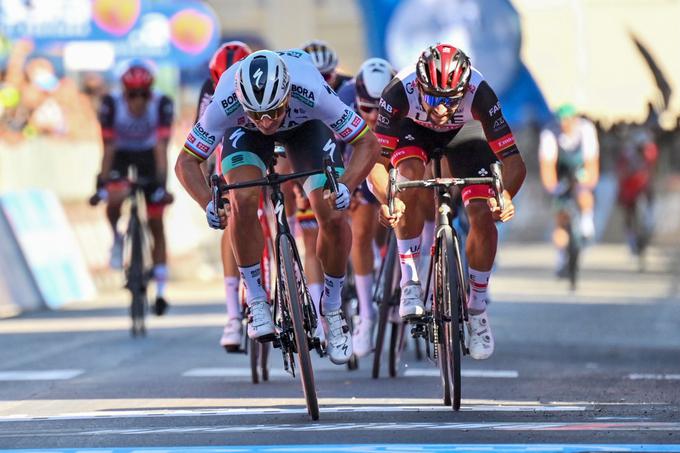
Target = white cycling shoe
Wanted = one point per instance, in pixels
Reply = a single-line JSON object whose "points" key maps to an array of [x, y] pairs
{"points": [[362, 337], [411, 301], [338, 337], [480, 338], [260, 324], [231, 335]]}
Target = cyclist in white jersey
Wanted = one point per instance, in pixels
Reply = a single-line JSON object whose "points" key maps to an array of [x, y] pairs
{"points": [[280, 97]]}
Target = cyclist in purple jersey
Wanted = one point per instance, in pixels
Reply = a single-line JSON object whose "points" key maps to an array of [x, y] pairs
{"points": [[422, 109], [362, 93]]}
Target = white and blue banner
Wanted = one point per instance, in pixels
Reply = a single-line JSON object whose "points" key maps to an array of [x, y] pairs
{"points": [[40, 228]]}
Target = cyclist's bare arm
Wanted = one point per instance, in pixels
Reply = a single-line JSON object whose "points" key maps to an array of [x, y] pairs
{"points": [[547, 158], [378, 179], [366, 153], [190, 175]]}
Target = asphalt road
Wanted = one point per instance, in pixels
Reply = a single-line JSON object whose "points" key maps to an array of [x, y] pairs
{"points": [[599, 366]]}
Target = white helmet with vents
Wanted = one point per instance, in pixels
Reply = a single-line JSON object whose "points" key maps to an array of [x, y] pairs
{"points": [[262, 82], [324, 58], [374, 75]]}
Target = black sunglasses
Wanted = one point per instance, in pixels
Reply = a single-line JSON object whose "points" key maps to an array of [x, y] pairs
{"points": [[146, 94]]}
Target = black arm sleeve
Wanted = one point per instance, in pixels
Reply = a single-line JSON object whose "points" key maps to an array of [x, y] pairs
{"points": [[487, 110]]}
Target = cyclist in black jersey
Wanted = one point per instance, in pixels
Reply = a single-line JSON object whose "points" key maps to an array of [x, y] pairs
{"points": [[422, 109], [135, 127]]}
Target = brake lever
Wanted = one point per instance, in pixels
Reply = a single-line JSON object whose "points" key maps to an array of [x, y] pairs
{"points": [[499, 187], [331, 175], [392, 190]]}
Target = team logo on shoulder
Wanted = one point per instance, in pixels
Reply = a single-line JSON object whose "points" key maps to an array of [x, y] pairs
{"points": [[303, 95], [495, 109], [410, 87], [482, 172], [344, 119]]}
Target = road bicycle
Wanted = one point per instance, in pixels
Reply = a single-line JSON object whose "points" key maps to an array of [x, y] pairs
{"points": [[294, 313], [443, 324]]}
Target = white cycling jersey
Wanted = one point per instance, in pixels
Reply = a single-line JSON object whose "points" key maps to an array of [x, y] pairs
{"points": [[311, 99]]}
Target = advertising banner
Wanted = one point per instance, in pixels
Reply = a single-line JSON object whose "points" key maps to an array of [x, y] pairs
{"points": [[185, 32]]}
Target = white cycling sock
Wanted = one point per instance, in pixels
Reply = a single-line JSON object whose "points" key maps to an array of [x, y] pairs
{"points": [[160, 276], [232, 297], [409, 257], [364, 284], [332, 290], [479, 282], [315, 290], [427, 239], [252, 279]]}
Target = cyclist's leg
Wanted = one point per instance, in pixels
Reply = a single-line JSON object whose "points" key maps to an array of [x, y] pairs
{"points": [[427, 206], [231, 334], [117, 188], [364, 225], [246, 159], [586, 204], [469, 159], [306, 151]]}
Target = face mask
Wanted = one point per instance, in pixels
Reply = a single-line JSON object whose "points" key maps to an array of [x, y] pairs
{"points": [[45, 80]]}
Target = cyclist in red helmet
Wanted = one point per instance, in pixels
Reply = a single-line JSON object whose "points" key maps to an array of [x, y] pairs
{"points": [[424, 108], [135, 124], [229, 53]]}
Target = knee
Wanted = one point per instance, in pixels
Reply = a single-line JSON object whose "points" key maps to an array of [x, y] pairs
{"points": [[411, 169], [362, 236], [480, 219], [332, 223], [244, 202]]}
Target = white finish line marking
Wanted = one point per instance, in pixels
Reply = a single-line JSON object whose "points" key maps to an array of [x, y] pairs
{"points": [[410, 372], [285, 411], [433, 372], [46, 375], [370, 426], [656, 377]]}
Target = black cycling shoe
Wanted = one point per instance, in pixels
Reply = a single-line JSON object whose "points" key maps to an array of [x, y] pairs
{"points": [[160, 306]]}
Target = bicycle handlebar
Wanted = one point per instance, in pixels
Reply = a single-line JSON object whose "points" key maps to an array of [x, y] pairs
{"points": [[218, 189], [495, 180]]}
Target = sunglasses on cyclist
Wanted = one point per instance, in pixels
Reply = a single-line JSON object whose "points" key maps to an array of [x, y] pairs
{"points": [[451, 103], [367, 107], [272, 114], [132, 94]]}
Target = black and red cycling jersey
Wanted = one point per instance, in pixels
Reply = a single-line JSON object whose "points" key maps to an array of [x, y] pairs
{"points": [[401, 100], [204, 97]]}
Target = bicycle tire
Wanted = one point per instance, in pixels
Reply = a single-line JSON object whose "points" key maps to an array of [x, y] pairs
{"points": [[383, 295], [396, 347], [292, 297], [254, 355], [573, 252], [453, 330], [439, 313], [264, 361], [136, 279]]}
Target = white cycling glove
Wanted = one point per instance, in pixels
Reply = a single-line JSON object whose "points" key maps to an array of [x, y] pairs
{"points": [[343, 197], [212, 216]]}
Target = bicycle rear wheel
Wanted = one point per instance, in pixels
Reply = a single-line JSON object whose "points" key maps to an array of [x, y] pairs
{"points": [[292, 297], [440, 309], [396, 346]]}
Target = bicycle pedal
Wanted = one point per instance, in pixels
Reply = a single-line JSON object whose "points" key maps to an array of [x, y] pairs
{"points": [[266, 338], [232, 349]]}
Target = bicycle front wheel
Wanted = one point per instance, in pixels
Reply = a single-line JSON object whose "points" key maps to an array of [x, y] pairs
{"points": [[383, 297], [292, 296], [453, 332], [440, 309], [136, 278]]}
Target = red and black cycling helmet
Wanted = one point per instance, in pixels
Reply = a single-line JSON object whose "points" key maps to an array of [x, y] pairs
{"points": [[137, 77], [229, 53], [443, 70]]}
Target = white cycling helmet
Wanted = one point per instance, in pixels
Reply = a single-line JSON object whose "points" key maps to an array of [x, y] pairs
{"points": [[324, 58], [262, 82], [374, 75]]}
